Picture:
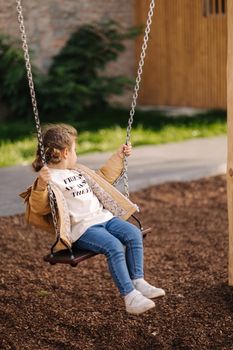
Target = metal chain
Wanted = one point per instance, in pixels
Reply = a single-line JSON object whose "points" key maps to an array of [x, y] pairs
{"points": [[35, 109], [135, 94]]}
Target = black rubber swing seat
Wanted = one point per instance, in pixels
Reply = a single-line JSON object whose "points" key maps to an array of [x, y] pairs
{"points": [[66, 257], [76, 256]]}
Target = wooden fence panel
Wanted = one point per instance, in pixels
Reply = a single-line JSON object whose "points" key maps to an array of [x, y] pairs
{"points": [[186, 57]]}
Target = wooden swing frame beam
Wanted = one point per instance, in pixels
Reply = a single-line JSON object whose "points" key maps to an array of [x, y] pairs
{"points": [[230, 136]]}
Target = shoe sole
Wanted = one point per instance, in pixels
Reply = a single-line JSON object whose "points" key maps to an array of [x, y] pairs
{"points": [[141, 310], [154, 295]]}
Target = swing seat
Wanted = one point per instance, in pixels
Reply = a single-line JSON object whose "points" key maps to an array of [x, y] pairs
{"points": [[74, 258], [65, 257]]}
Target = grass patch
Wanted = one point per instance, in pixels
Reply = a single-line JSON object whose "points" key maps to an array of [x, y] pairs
{"points": [[105, 131]]}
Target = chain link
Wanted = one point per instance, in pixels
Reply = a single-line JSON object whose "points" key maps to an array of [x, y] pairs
{"points": [[35, 109], [135, 94]]}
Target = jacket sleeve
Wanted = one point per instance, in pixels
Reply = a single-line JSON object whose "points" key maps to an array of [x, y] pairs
{"points": [[39, 200], [112, 169]]}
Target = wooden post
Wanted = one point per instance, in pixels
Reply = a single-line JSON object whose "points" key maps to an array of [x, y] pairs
{"points": [[230, 134]]}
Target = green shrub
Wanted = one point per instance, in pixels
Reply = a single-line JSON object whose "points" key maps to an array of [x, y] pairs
{"points": [[75, 81], [14, 91]]}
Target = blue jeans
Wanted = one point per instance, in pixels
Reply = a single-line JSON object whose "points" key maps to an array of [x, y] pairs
{"points": [[109, 238]]}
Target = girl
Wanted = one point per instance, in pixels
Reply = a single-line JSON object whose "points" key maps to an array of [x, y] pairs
{"points": [[91, 213]]}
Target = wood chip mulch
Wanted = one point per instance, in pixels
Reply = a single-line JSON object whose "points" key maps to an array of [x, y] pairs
{"points": [[64, 308]]}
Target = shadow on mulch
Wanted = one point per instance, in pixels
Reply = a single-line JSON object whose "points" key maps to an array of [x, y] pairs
{"points": [[64, 308]]}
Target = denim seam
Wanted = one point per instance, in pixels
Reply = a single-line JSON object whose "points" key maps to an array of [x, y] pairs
{"points": [[122, 288], [133, 258], [95, 245]]}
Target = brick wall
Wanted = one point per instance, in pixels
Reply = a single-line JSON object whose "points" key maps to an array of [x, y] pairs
{"points": [[50, 22]]}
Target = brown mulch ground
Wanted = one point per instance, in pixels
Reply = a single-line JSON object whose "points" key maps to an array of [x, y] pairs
{"points": [[60, 307]]}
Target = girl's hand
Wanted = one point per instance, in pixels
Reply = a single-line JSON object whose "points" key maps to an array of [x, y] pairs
{"points": [[44, 177], [125, 150]]}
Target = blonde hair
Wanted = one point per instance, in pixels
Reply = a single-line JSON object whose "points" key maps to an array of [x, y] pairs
{"points": [[56, 137]]}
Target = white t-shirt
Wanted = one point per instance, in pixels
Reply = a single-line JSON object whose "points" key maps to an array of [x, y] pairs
{"points": [[84, 207]]}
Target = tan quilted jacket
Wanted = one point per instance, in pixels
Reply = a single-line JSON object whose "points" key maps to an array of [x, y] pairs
{"points": [[38, 210]]}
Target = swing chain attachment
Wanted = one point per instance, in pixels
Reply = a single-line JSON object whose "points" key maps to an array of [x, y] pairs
{"points": [[135, 94], [35, 108]]}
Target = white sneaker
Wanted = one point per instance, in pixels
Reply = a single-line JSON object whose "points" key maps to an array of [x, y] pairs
{"points": [[136, 303], [147, 289]]}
